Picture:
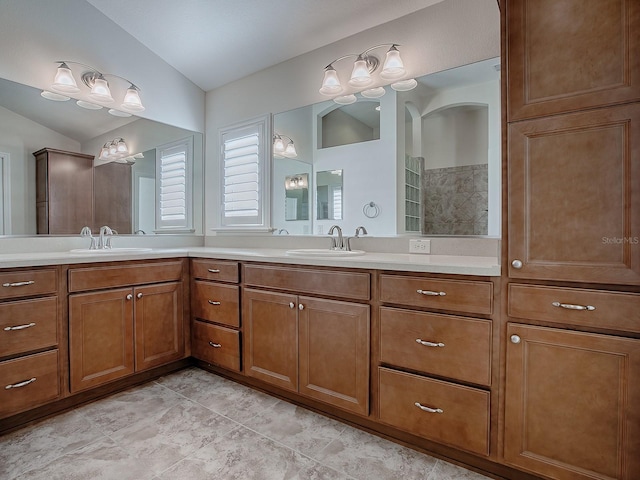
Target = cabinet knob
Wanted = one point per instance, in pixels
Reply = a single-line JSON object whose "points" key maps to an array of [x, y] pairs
{"points": [[292, 305], [301, 307], [517, 264], [515, 339], [139, 295], [129, 296]]}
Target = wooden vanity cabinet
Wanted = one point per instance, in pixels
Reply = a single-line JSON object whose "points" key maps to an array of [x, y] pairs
{"points": [[123, 319], [571, 82], [314, 346], [215, 311], [572, 403], [64, 191], [435, 359], [30, 361]]}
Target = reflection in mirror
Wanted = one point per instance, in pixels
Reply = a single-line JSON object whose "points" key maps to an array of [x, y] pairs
{"points": [[296, 200], [329, 195], [354, 123], [29, 123], [434, 167]]}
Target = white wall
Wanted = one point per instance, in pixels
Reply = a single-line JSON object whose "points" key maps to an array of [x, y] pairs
{"points": [[442, 36], [36, 33], [20, 138]]}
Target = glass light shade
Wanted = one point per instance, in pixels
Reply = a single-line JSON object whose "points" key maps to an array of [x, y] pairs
{"points": [[360, 76], [118, 113], [64, 81], [88, 105], [278, 145], [373, 92], [122, 146], [132, 100], [56, 97], [404, 85], [104, 152], [113, 148], [100, 91], [290, 151], [345, 99], [330, 83], [393, 66]]}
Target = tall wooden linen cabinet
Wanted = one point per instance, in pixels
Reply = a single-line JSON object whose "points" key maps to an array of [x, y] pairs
{"points": [[571, 85]]}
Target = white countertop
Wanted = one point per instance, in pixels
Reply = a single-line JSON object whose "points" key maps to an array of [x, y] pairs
{"points": [[451, 264]]}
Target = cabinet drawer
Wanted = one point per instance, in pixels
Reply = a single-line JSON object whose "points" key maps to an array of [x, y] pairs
{"points": [[28, 325], [217, 345], [617, 311], [445, 345], [220, 270], [455, 295], [460, 419], [216, 302], [25, 283], [346, 284], [95, 278], [34, 380]]}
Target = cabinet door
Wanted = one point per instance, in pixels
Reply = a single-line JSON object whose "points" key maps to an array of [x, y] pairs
{"points": [[334, 352], [158, 324], [574, 197], [100, 337], [572, 404], [271, 337], [567, 55]]}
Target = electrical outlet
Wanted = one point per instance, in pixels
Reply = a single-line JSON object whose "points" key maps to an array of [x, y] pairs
{"points": [[418, 245]]}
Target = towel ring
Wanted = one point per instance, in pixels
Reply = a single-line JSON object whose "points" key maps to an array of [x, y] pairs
{"points": [[371, 210]]}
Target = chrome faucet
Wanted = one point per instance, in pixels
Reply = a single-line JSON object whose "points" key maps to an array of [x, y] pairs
{"points": [[359, 230], [283, 231], [362, 230], [336, 244], [86, 232], [104, 241]]}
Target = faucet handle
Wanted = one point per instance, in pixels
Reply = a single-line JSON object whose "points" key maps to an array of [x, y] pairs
{"points": [[85, 232]]}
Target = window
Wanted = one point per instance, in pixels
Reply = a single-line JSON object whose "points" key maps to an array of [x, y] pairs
{"points": [[174, 212], [244, 175]]}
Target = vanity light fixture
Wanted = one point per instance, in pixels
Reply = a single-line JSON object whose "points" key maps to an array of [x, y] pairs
{"points": [[361, 75], [65, 83], [114, 150], [282, 150]]}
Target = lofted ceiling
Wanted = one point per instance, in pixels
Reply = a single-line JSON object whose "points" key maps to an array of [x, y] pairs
{"points": [[214, 42]]}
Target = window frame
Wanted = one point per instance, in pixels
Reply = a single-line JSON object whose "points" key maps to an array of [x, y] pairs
{"points": [[261, 222], [162, 226]]}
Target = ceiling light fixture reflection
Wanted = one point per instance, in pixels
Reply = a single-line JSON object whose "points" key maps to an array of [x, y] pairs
{"points": [[56, 97], [88, 105], [280, 149]]}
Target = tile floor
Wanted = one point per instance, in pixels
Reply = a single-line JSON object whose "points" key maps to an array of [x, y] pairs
{"points": [[196, 425]]}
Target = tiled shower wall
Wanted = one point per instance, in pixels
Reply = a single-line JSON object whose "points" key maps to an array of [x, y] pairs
{"points": [[455, 200]]}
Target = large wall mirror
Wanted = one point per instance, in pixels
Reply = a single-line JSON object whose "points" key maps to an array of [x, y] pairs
{"points": [[426, 161], [124, 194]]}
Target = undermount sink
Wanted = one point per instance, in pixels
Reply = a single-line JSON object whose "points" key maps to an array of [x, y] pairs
{"points": [[108, 251], [323, 252]]}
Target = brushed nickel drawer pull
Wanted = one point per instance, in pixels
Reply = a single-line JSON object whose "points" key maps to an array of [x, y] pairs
{"points": [[20, 384], [431, 293], [213, 270], [215, 345], [569, 306], [19, 284], [429, 344], [213, 302], [19, 327], [427, 409]]}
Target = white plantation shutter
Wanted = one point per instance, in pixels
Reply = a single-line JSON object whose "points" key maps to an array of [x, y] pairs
{"points": [[244, 151], [173, 191]]}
